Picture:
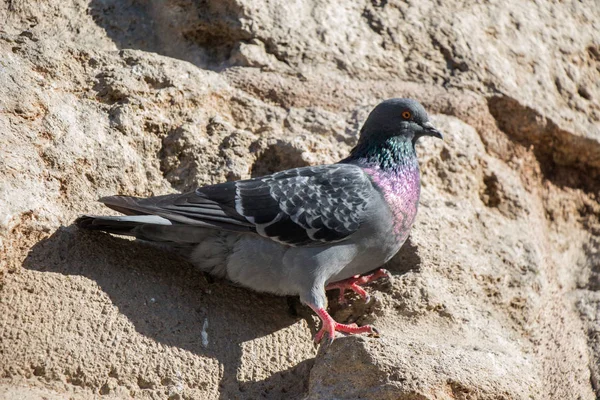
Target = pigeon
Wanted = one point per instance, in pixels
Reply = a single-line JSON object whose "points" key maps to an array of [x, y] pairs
{"points": [[301, 231]]}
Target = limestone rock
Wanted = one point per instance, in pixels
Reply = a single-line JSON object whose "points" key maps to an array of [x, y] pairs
{"points": [[495, 295]]}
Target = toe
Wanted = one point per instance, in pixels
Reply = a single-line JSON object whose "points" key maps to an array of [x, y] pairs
{"points": [[319, 336]]}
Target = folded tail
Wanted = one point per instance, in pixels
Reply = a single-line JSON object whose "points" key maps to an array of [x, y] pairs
{"points": [[145, 227], [121, 225]]}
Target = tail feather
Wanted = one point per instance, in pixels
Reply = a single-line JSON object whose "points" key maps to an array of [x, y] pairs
{"points": [[127, 205], [141, 221], [133, 223], [101, 222], [210, 243], [145, 227]]}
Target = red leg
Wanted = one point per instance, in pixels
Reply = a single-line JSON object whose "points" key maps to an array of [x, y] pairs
{"points": [[355, 282], [330, 326]]}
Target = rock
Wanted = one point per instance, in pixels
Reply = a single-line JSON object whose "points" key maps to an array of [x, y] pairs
{"points": [[494, 296]]}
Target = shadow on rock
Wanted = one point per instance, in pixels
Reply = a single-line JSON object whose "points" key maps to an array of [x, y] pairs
{"points": [[406, 260], [169, 301], [128, 23], [203, 33]]}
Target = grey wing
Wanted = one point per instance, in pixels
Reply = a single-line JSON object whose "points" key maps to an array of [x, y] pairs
{"points": [[307, 206], [298, 207]]}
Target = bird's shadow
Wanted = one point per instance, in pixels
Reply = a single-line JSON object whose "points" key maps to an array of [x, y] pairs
{"points": [[167, 300], [407, 259]]}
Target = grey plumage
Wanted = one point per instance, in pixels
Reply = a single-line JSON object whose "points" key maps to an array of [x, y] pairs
{"points": [[295, 231], [310, 208]]}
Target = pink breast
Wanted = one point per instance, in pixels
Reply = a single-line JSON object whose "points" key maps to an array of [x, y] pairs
{"points": [[401, 189]]}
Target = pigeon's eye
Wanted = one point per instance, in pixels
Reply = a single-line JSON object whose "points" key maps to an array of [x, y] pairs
{"points": [[406, 114]]}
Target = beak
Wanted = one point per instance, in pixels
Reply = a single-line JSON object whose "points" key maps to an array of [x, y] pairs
{"points": [[430, 130]]}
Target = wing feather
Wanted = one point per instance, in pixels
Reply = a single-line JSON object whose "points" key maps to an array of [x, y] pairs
{"points": [[298, 207]]}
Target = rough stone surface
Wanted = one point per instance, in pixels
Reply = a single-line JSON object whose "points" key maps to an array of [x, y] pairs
{"points": [[495, 296]]}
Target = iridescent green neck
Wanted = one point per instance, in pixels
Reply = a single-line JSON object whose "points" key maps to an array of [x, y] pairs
{"points": [[391, 153]]}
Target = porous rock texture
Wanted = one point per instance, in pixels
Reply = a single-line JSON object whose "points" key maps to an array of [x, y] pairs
{"points": [[496, 295]]}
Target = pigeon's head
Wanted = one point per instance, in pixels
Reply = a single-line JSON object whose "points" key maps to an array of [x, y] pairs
{"points": [[403, 118]]}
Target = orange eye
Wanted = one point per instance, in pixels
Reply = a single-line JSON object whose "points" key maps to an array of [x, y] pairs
{"points": [[406, 114]]}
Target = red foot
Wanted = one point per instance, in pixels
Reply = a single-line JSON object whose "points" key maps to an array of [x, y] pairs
{"points": [[355, 282], [330, 326]]}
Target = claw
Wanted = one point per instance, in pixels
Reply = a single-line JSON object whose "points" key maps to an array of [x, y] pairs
{"points": [[375, 333], [367, 298], [384, 272]]}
